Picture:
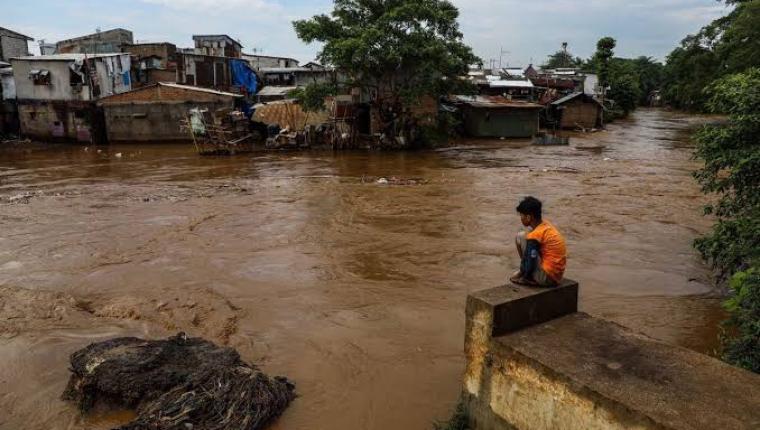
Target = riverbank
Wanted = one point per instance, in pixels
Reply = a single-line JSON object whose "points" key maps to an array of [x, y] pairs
{"points": [[351, 288]]}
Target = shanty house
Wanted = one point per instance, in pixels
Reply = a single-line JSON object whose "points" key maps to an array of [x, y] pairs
{"points": [[55, 93], [100, 42], [265, 61], [495, 116], [577, 110], [218, 45], [508, 87], [152, 62], [219, 73], [153, 113], [295, 76], [13, 44]]}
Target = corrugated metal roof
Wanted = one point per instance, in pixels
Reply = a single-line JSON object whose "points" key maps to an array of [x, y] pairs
{"points": [[275, 91], [566, 99], [504, 83], [291, 70], [268, 56], [495, 102], [198, 89], [67, 57], [15, 33], [572, 96]]}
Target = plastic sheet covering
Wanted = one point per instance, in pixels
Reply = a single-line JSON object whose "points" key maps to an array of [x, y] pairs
{"points": [[196, 122], [243, 76]]}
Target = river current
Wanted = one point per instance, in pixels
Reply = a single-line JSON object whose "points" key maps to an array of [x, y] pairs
{"points": [[312, 269]]}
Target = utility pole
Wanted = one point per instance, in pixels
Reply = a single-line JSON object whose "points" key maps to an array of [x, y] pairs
{"points": [[564, 57], [501, 55]]}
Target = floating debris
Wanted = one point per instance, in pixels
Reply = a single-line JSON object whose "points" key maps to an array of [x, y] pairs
{"points": [[176, 383], [394, 181]]}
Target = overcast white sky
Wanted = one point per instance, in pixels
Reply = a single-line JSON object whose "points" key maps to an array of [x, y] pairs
{"points": [[528, 30]]}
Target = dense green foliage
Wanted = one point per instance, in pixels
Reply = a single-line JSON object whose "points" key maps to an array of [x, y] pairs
{"points": [[731, 153], [629, 81], [604, 52], [562, 59], [650, 74], [312, 97], [744, 349], [396, 52], [728, 45]]}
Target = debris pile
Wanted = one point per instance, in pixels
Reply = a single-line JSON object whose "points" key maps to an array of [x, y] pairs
{"points": [[177, 383]]}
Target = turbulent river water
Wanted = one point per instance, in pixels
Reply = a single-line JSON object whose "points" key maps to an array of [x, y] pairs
{"points": [[311, 269]]}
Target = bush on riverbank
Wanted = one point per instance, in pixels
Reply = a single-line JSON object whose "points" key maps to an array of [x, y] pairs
{"points": [[459, 421], [731, 153]]}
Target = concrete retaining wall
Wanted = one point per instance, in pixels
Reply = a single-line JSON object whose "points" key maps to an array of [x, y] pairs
{"points": [[153, 121], [534, 363]]}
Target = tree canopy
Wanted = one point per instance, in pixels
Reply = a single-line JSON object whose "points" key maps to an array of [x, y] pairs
{"points": [[730, 44], [562, 59], [408, 47]]}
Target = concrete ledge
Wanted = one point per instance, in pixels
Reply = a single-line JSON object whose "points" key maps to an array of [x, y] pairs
{"points": [[584, 372], [533, 363], [515, 307]]}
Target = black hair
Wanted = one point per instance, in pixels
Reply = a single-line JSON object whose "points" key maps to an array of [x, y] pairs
{"points": [[530, 206]]}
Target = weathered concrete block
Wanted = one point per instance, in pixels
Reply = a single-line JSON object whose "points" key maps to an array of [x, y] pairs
{"points": [[515, 307], [581, 372], [504, 310]]}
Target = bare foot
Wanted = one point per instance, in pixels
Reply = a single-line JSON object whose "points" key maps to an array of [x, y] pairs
{"points": [[519, 280]]}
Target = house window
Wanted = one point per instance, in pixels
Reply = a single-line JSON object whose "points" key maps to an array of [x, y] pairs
{"points": [[75, 79], [40, 77]]}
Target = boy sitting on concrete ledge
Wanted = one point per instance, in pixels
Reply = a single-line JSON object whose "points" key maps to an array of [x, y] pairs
{"points": [[542, 249]]}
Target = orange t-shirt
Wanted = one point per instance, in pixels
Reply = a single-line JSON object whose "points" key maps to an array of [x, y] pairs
{"points": [[552, 248]]}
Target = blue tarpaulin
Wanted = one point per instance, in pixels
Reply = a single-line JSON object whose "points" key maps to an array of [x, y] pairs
{"points": [[243, 76]]}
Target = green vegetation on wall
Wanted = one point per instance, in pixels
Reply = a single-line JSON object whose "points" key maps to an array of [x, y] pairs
{"points": [[731, 153]]}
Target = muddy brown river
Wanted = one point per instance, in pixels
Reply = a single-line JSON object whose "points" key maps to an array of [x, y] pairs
{"points": [[353, 289]]}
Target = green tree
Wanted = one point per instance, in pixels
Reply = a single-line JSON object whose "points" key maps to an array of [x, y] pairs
{"points": [[312, 97], [619, 75], [398, 50], [624, 92], [730, 44], [731, 153], [690, 69], [604, 52], [650, 74], [739, 47], [562, 59]]}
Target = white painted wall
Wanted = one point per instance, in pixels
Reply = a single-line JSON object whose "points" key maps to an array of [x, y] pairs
{"points": [[111, 82], [591, 84], [59, 88]]}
